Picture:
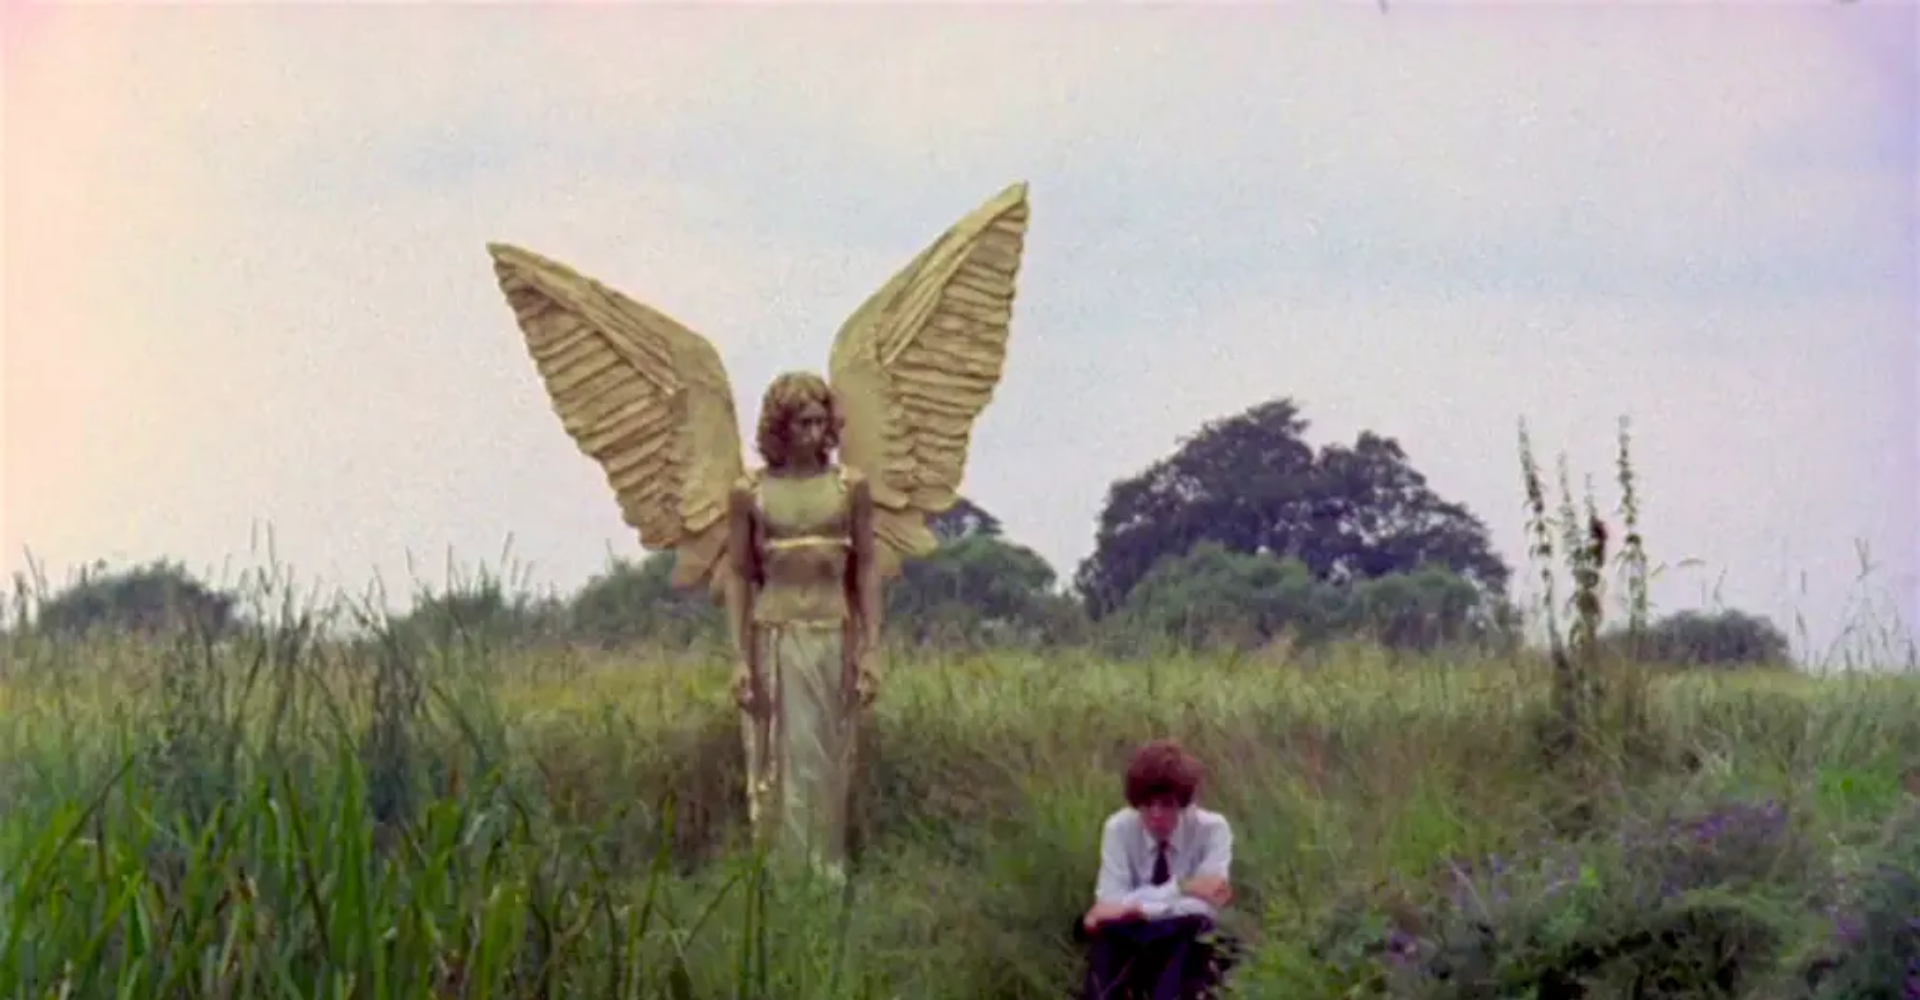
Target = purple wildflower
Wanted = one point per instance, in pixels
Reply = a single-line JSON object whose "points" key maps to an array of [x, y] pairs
{"points": [[1402, 947], [1850, 929]]}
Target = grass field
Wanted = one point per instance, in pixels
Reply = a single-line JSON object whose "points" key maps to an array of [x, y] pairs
{"points": [[282, 817]]}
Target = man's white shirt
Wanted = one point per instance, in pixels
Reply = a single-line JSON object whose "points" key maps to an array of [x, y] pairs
{"points": [[1201, 844]]}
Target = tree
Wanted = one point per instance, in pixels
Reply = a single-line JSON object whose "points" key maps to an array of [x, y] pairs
{"points": [[635, 601], [977, 586], [962, 520], [1421, 610], [1722, 639], [1389, 521], [154, 599], [1252, 484], [1210, 597]]}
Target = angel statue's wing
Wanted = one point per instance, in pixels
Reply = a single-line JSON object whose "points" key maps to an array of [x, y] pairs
{"points": [[915, 365], [643, 396]]}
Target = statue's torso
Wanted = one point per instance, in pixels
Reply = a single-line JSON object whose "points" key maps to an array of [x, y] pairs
{"points": [[805, 539]]}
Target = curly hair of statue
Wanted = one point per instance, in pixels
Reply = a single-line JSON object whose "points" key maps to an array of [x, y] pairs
{"points": [[649, 401], [786, 396]]}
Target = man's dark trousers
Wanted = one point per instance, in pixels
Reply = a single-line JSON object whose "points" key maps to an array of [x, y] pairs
{"points": [[1151, 960]]}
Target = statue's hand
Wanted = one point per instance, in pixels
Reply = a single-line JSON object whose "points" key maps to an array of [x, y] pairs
{"points": [[866, 686], [746, 690]]}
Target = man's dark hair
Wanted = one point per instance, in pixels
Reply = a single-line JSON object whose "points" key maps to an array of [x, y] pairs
{"points": [[1162, 770]]}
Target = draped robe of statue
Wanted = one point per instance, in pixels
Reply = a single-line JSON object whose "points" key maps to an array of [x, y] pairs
{"points": [[800, 547], [807, 652]]}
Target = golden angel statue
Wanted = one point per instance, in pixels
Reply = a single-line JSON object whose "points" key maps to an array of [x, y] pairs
{"points": [[799, 548]]}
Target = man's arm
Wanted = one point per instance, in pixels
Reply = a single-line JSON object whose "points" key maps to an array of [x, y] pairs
{"points": [[1115, 880], [1216, 852], [1114, 898], [1211, 881]]}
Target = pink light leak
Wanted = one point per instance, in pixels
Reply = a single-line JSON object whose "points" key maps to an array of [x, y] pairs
{"points": [[21, 20]]}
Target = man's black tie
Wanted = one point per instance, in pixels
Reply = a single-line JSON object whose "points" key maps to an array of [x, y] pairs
{"points": [[1161, 872]]}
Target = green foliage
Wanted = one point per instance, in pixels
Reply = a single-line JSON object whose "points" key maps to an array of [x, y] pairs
{"points": [[1422, 610], [635, 602], [1213, 598], [1252, 484], [1723, 901], [157, 598], [1723, 639], [453, 806], [964, 519], [1589, 685], [1701, 907], [484, 611], [1873, 952], [979, 590], [307, 818]]}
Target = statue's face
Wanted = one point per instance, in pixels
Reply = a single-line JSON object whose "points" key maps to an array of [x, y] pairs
{"points": [[808, 425]]}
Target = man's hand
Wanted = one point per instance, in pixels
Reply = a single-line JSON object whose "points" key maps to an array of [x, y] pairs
{"points": [[1211, 888], [1110, 913]]}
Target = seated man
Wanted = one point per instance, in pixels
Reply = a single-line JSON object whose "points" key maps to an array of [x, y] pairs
{"points": [[1163, 876]]}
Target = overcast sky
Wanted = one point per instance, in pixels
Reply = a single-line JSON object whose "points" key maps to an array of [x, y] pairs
{"points": [[246, 281]]}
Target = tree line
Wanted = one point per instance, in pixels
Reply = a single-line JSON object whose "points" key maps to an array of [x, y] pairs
{"points": [[1243, 536]]}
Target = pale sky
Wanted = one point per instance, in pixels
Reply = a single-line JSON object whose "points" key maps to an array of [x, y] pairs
{"points": [[246, 281]]}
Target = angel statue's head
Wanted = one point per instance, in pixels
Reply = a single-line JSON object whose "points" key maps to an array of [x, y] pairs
{"points": [[799, 420]]}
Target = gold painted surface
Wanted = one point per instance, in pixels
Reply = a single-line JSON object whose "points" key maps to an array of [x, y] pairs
{"points": [[798, 548]]}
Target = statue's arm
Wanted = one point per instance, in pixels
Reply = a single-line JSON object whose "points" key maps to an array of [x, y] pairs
{"points": [[865, 578], [746, 575]]}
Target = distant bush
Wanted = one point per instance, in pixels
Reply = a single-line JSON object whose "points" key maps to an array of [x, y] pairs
{"points": [[1720, 639], [154, 599], [634, 602], [1212, 598]]}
